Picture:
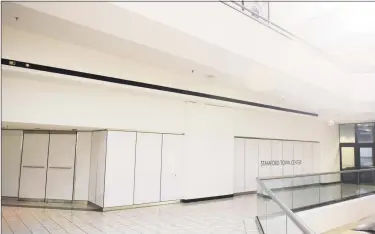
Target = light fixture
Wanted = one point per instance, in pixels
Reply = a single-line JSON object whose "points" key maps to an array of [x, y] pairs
{"points": [[331, 122]]}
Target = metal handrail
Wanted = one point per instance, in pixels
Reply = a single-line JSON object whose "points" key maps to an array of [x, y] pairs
{"points": [[316, 174], [297, 221]]}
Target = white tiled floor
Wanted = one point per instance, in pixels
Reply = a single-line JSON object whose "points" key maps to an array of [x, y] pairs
{"points": [[229, 216]]}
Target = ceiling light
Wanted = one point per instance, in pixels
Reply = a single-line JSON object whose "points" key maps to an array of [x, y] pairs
{"points": [[331, 122]]}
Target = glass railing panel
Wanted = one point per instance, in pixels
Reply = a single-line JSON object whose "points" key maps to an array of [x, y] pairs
{"points": [[349, 184], [262, 206], [307, 195], [366, 182], [271, 215], [276, 219], [281, 197]]}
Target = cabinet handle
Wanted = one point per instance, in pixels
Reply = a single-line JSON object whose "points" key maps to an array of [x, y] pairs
{"points": [[33, 166], [60, 167]]}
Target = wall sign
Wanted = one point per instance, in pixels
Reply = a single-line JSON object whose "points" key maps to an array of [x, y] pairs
{"points": [[280, 162]]}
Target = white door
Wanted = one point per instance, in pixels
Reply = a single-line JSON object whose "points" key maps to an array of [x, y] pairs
{"points": [[251, 164], [34, 165], [171, 158], [147, 168], [60, 169], [239, 165]]}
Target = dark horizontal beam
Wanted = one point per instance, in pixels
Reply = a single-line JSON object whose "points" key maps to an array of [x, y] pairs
{"points": [[109, 79]]}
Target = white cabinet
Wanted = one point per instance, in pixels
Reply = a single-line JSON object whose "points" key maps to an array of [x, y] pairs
{"points": [[298, 156], [60, 169], [11, 159], [298, 168], [147, 169], [120, 160], [265, 156], [172, 149], [34, 165], [251, 164], [277, 156], [239, 165], [288, 152]]}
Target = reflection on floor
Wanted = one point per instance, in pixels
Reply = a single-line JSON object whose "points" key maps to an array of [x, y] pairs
{"points": [[222, 216], [51, 205], [347, 229]]}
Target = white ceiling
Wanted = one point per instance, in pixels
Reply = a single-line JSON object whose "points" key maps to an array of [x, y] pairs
{"points": [[275, 87], [344, 31]]}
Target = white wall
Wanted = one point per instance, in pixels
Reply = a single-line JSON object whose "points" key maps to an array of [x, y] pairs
{"points": [[82, 166], [36, 97], [11, 162]]}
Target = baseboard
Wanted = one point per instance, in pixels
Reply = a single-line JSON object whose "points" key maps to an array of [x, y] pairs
{"points": [[113, 208], [95, 205], [245, 193], [6, 197], [331, 183], [206, 198]]}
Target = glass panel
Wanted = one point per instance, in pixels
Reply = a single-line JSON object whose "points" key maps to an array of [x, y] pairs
{"points": [[365, 154], [276, 219], [347, 158], [350, 184], [347, 133], [365, 133]]}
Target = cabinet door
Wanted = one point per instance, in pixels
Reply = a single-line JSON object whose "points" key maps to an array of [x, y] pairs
{"points": [[61, 166], [277, 155], [277, 168], [239, 165], [288, 168], [11, 159], [34, 165], [147, 168], [266, 156], [120, 161], [172, 148], [251, 164], [298, 168]]}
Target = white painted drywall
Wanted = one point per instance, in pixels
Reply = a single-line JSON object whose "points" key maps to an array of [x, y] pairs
{"points": [[82, 166], [11, 162], [119, 172]]}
